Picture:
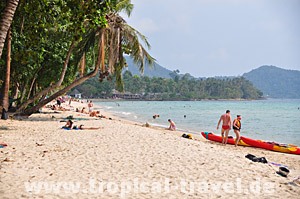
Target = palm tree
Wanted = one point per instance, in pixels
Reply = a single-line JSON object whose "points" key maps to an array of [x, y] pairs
{"points": [[5, 98], [112, 42], [6, 20], [123, 39]]}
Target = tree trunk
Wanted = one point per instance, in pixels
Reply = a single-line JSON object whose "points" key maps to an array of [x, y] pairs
{"points": [[6, 20], [23, 91], [31, 88], [5, 99], [51, 87], [77, 82], [82, 65], [61, 92], [15, 93]]}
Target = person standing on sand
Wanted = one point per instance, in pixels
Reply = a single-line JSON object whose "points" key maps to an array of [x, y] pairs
{"points": [[226, 126], [90, 106], [237, 125], [58, 101]]}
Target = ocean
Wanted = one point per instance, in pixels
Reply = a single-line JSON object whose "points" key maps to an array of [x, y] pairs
{"points": [[271, 120]]}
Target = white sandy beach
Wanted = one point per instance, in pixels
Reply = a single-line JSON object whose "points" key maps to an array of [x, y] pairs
{"points": [[127, 160]]}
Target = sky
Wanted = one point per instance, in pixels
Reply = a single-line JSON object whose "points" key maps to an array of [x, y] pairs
{"points": [[208, 38]]}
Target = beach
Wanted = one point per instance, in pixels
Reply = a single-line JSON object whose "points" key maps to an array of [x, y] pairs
{"points": [[125, 159]]}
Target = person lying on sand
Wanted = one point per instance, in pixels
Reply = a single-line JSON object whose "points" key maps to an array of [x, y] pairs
{"points": [[55, 107], [69, 126], [2, 144], [94, 113]]}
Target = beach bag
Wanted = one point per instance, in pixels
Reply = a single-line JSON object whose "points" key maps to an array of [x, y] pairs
{"points": [[189, 136], [256, 159]]}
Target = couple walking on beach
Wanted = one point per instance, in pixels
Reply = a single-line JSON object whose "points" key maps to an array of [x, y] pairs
{"points": [[226, 127]]}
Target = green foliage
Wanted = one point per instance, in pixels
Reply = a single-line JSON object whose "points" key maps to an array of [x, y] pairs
{"points": [[92, 88], [184, 88], [42, 32]]}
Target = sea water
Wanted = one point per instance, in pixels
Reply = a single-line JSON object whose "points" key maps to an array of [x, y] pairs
{"points": [[272, 119]]}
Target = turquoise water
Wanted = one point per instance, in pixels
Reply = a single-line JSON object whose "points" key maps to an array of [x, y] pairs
{"points": [[273, 119]]}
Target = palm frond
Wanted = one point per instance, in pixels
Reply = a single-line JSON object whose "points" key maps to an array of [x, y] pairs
{"points": [[87, 43], [125, 6]]}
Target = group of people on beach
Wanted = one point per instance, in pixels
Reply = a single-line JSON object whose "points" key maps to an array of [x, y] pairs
{"points": [[88, 111], [227, 123]]}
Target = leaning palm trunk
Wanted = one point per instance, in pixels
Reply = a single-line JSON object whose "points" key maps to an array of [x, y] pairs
{"points": [[82, 65], [31, 87], [51, 87], [69, 87], [6, 20], [60, 92]]}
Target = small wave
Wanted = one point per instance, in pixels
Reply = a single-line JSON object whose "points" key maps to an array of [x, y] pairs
{"points": [[126, 113]]}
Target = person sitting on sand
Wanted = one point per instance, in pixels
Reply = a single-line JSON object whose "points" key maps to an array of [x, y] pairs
{"points": [[69, 126], [172, 126], [54, 107], [84, 111]]}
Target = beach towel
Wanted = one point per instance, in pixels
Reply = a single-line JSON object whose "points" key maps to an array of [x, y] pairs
{"points": [[67, 128]]}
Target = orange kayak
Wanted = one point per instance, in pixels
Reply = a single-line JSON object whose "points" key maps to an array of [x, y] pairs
{"points": [[272, 146], [217, 138]]}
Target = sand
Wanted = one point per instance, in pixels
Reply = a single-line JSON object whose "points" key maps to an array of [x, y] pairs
{"points": [[127, 160]]}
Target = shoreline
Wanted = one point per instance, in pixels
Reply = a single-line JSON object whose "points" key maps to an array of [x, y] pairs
{"points": [[206, 118], [145, 100], [124, 151], [178, 132]]}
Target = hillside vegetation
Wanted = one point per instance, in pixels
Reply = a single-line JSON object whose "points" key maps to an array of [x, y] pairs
{"points": [[178, 88], [275, 82]]}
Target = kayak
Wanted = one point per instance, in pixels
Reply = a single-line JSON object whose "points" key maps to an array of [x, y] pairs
{"points": [[216, 138], [272, 146]]}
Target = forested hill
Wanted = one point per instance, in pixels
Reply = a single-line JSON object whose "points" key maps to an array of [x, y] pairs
{"points": [[275, 82]]}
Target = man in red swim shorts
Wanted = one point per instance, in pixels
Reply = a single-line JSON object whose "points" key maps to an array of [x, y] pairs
{"points": [[226, 126]]}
